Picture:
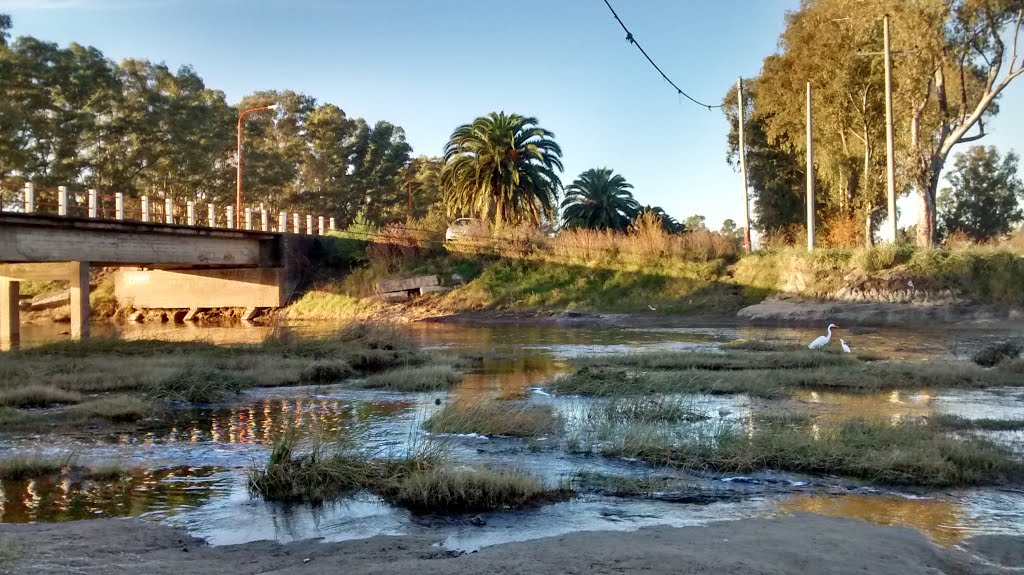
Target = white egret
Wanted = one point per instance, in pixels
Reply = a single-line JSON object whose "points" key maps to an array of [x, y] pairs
{"points": [[823, 340], [651, 307], [846, 348]]}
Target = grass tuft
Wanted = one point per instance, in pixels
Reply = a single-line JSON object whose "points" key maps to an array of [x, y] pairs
{"points": [[494, 418], [470, 490], [997, 353], [34, 395], [115, 408], [422, 378]]}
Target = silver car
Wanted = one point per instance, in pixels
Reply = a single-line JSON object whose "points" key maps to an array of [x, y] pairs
{"points": [[462, 228]]}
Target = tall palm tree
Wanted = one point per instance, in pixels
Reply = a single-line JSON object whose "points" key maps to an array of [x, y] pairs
{"points": [[503, 166], [599, 199]]}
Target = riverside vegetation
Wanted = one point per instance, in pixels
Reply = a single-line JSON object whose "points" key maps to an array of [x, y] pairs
{"points": [[519, 268], [125, 382]]}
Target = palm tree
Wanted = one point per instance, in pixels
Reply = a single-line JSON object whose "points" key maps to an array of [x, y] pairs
{"points": [[502, 165], [599, 199], [668, 223]]}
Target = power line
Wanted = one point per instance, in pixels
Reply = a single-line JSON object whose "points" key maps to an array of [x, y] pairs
{"points": [[632, 40]]}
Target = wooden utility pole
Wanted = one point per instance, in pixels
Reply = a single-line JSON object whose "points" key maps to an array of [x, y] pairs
{"points": [[810, 175], [743, 166]]}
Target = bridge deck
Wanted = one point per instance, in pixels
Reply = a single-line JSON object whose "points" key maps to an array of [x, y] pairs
{"points": [[27, 238]]}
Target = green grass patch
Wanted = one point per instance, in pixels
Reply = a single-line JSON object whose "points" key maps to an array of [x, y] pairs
{"points": [[624, 485], [849, 376], [718, 361], [12, 416], [34, 395], [421, 378], [495, 418], [658, 408], [908, 454], [957, 423]]}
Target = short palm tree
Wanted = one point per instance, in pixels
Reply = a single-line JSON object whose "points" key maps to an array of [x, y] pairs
{"points": [[668, 223], [503, 166], [599, 199]]}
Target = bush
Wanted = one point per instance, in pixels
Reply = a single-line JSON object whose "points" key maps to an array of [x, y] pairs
{"points": [[995, 354]]}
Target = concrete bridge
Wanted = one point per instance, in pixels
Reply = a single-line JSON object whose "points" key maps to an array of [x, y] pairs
{"points": [[167, 259]]}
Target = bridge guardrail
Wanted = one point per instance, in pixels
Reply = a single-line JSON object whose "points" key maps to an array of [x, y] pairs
{"points": [[157, 209]]}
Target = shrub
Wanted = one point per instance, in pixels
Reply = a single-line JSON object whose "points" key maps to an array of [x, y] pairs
{"points": [[994, 354]]}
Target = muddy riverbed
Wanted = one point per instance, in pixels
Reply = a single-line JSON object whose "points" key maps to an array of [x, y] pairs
{"points": [[192, 474]]}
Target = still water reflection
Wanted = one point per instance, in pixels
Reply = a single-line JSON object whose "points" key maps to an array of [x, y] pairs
{"points": [[62, 497]]}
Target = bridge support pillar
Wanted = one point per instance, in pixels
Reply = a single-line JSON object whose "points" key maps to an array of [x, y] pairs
{"points": [[79, 300], [10, 315]]}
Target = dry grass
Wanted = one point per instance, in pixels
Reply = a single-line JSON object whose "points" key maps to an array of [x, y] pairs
{"points": [[422, 482], [115, 408], [495, 418], [422, 378], [474, 489], [35, 395]]}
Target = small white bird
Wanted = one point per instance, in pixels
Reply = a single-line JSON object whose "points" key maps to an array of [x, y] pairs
{"points": [[651, 307], [910, 284], [823, 340], [846, 348]]}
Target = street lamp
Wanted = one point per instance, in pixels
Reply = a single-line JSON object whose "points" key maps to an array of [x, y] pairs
{"points": [[238, 196]]}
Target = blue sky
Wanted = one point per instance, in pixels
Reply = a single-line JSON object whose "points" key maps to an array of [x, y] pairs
{"points": [[430, 65]]}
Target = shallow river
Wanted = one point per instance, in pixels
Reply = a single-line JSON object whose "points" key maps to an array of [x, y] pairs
{"points": [[193, 474]]}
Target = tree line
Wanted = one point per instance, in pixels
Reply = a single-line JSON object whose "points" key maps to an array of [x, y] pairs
{"points": [[953, 58], [71, 116]]}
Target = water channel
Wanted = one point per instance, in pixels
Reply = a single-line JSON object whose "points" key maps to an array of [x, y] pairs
{"points": [[193, 473]]}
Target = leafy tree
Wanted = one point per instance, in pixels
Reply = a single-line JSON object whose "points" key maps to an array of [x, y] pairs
{"points": [[945, 88], [731, 230], [668, 223], [5, 28], [502, 166], [776, 174], [695, 222], [983, 200], [599, 199]]}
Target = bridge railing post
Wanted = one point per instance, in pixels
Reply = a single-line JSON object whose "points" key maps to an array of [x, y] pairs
{"points": [[168, 211], [30, 197], [309, 224], [93, 204], [231, 216], [333, 225], [144, 200], [62, 200], [320, 225], [265, 220], [282, 222], [119, 205], [211, 215], [248, 218], [296, 224], [190, 212]]}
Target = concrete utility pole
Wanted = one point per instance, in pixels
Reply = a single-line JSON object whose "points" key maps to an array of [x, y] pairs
{"points": [[810, 175], [890, 145], [743, 167], [890, 162]]}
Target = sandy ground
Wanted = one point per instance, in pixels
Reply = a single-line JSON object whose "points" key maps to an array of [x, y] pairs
{"points": [[799, 543]]}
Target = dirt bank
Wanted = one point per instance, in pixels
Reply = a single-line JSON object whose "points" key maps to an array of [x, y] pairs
{"points": [[794, 544], [808, 311]]}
